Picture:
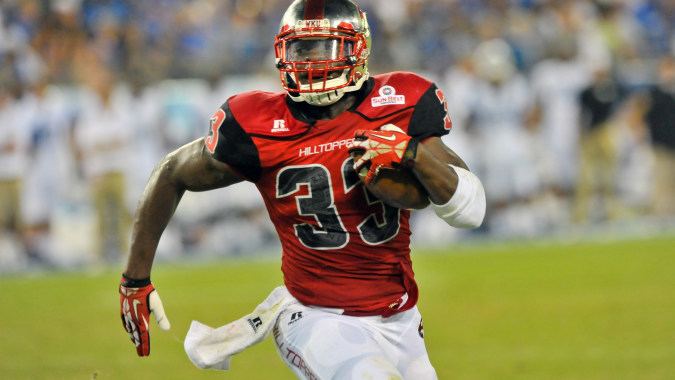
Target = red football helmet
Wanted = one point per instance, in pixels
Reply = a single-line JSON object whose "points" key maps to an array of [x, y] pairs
{"points": [[322, 50]]}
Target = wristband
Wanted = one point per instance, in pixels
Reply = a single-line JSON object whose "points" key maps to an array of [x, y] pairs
{"points": [[134, 283]]}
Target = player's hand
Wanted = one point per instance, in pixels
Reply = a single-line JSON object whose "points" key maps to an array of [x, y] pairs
{"points": [[384, 148], [138, 298]]}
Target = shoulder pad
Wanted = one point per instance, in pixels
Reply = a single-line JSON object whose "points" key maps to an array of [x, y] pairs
{"points": [[393, 92], [265, 114]]}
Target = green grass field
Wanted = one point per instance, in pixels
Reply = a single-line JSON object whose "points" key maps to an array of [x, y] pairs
{"points": [[534, 311]]}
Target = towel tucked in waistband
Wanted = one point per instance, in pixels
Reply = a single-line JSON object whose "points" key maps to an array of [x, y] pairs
{"points": [[213, 348]]}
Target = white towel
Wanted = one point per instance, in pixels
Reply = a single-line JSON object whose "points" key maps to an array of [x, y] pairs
{"points": [[212, 348]]}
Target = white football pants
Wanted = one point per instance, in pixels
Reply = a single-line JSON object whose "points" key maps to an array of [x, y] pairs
{"points": [[321, 344]]}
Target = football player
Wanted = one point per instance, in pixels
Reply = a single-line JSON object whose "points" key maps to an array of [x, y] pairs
{"points": [[345, 252]]}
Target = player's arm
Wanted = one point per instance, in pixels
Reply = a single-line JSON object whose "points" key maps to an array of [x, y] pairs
{"points": [[432, 167], [457, 195], [192, 168]]}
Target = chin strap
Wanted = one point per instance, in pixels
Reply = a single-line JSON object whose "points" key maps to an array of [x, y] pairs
{"points": [[328, 97], [319, 98]]}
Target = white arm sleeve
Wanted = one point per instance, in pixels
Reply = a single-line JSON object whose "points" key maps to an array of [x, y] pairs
{"points": [[466, 208]]}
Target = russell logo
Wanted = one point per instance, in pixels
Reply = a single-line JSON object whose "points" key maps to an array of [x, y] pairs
{"points": [[279, 126], [295, 317], [387, 97], [255, 323]]}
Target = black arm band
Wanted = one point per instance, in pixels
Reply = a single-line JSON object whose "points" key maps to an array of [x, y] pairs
{"points": [[134, 283]]}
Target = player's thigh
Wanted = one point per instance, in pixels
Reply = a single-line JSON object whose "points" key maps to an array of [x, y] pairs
{"points": [[410, 349], [319, 345], [401, 338]]}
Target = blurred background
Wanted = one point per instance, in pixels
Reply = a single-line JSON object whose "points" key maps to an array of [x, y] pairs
{"points": [[565, 109]]}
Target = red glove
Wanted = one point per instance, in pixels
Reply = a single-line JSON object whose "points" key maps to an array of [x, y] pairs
{"points": [[137, 299], [385, 148]]}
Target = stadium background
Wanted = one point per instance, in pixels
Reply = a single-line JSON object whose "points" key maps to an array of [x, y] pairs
{"points": [[569, 277]]}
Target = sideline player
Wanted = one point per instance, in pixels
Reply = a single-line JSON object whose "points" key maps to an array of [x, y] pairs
{"points": [[345, 253]]}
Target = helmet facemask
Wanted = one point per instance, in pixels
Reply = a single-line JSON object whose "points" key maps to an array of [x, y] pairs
{"points": [[318, 63]]}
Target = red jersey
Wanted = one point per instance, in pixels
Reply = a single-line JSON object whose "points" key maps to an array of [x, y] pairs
{"points": [[341, 246]]}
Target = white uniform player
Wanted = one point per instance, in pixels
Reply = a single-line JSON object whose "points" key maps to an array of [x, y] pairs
{"points": [[557, 84], [499, 106]]}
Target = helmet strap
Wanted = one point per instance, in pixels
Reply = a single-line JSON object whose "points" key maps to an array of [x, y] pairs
{"points": [[328, 97]]}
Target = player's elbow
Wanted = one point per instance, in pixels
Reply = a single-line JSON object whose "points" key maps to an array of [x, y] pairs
{"points": [[466, 208], [166, 169], [473, 218], [175, 168]]}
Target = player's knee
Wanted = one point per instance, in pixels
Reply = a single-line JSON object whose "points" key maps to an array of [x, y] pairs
{"points": [[368, 367]]}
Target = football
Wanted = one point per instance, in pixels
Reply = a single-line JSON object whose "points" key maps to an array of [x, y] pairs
{"points": [[397, 187]]}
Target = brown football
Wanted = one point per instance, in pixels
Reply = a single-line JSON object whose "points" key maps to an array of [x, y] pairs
{"points": [[398, 187]]}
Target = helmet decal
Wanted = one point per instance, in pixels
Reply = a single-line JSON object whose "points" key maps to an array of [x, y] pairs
{"points": [[314, 9]]}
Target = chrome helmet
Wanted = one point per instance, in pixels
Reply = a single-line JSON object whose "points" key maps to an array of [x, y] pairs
{"points": [[322, 50]]}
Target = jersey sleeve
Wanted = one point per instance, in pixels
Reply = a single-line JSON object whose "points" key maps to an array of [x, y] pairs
{"points": [[229, 143], [430, 116]]}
